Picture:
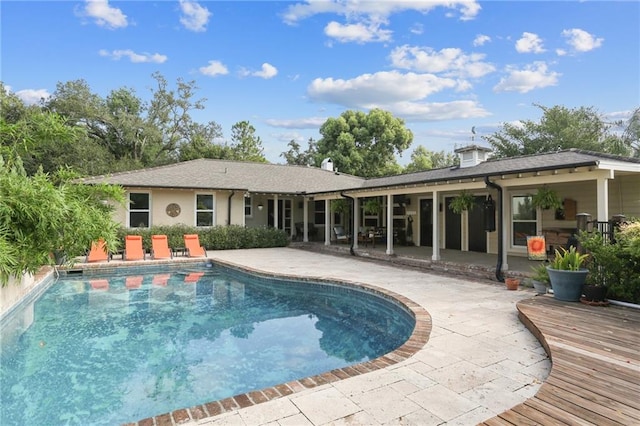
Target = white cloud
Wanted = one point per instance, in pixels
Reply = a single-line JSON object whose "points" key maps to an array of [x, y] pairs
{"points": [[134, 57], [214, 68], [33, 96], [299, 123], [529, 43], [194, 17], [267, 71], [436, 111], [377, 10], [450, 61], [581, 41], [481, 40], [417, 29], [359, 32], [534, 76], [105, 15]]}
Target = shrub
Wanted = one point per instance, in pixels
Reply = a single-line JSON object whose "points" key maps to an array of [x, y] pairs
{"points": [[214, 238]]}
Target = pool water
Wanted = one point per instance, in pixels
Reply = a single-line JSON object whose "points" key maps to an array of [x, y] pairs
{"points": [[116, 349]]}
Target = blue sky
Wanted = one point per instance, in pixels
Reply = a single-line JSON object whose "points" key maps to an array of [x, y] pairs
{"points": [[442, 66]]}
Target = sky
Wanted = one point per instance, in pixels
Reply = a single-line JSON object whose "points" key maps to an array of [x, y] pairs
{"points": [[447, 68]]}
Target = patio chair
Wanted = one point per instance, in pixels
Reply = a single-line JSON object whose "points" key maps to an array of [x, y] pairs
{"points": [[193, 247], [341, 237], [98, 252], [133, 249], [160, 247]]}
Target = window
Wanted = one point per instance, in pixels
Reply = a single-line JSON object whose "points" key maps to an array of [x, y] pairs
{"points": [[319, 212], [204, 210], [523, 219], [248, 206], [139, 210]]}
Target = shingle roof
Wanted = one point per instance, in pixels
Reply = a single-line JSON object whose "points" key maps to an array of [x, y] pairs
{"points": [[233, 175], [286, 179]]}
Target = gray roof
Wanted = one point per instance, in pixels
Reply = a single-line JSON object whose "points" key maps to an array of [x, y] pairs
{"points": [[233, 175], [287, 179]]}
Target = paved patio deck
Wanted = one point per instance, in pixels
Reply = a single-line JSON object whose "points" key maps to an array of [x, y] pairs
{"points": [[479, 361]]}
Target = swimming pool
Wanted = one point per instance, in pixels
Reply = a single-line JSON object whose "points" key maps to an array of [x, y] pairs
{"points": [[119, 348]]}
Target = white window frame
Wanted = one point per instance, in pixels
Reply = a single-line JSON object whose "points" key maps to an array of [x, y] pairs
{"points": [[212, 210], [248, 203], [514, 221], [134, 210]]}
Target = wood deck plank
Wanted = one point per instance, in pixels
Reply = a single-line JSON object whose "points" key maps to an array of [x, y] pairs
{"points": [[595, 374]]}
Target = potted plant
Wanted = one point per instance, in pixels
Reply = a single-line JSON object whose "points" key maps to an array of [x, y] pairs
{"points": [[372, 206], [540, 278], [463, 201], [546, 199], [567, 274]]}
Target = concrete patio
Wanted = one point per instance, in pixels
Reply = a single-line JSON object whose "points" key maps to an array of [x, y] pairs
{"points": [[479, 360]]}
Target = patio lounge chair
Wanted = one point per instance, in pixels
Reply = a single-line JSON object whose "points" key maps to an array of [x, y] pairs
{"points": [[98, 252], [193, 247], [133, 249], [341, 237], [160, 247]]}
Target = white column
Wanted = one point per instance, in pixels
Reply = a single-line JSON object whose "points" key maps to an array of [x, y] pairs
{"points": [[327, 222], [275, 211], [305, 219], [356, 220], [435, 241], [603, 199], [505, 222], [389, 224]]}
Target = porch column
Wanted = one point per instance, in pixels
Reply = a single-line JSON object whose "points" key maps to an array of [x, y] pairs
{"points": [[435, 240], [602, 190], [327, 222], [275, 211], [389, 224], [505, 222], [305, 220], [356, 220]]}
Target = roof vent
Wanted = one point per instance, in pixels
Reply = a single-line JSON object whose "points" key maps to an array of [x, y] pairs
{"points": [[327, 164], [472, 155]]}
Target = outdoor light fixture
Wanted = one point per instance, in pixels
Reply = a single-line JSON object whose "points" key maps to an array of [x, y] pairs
{"points": [[260, 206]]}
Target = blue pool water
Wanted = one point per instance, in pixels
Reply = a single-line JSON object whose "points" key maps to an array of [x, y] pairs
{"points": [[115, 349]]}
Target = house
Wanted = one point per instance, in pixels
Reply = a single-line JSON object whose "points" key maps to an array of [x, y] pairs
{"points": [[593, 186]]}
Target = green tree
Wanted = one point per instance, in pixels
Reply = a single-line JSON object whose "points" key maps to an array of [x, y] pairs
{"points": [[632, 133], [559, 128], [295, 156], [424, 159], [245, 145], [364, 144]]}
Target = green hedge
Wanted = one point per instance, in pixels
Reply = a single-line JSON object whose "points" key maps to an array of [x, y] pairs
{"points": [[215, 238]]}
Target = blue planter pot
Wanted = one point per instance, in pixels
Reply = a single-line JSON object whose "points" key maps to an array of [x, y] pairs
{"points": [[567, 285]]}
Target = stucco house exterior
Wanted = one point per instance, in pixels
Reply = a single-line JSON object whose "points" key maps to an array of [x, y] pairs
{"points": [[414, 210]]}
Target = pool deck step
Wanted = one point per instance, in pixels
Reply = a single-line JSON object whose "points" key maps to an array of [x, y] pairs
{"points": [[595, 373]]}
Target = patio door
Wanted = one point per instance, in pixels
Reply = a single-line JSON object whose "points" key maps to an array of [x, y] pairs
{"points": [[453, 225], [284, 214], [426, 223], [475, 220]]}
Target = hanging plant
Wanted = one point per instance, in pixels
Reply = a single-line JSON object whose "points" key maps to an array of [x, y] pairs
{"points": [[463, 201], [340, 206], [372, 206], [546, 199]]}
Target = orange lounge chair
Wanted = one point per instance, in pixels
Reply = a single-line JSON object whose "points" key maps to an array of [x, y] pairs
{"points": [[193, 247], [160, 247], [133, 249], [98, 252]]}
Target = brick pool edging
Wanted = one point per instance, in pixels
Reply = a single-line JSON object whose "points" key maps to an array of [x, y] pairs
{"points": [[419, 337]]}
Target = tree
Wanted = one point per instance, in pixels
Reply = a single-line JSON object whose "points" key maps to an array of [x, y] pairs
{"points": [[423, 159], [364, 144], [559, 128], [245, 145], [632, 133], [301, 158]]}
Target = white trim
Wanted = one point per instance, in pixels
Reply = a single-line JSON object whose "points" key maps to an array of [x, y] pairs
{"points": [[147, 210], [196, 210]]}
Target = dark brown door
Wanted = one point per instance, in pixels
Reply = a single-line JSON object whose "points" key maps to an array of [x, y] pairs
{"points": [[453, 223], [477, 234], [426, 223]]}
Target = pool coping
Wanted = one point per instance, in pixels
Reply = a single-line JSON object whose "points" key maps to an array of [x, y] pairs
{"points": [[416, 341]]}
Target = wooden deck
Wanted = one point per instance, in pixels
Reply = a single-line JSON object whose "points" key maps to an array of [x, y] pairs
{"points": [[595, 373]]}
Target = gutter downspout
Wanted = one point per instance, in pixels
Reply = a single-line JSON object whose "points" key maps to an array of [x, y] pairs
{"points": [[229, 208], [499, 274], [353, 233]]}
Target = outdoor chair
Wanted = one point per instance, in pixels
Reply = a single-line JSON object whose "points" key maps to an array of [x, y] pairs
{"points": [[98, 252], [160, 247], [341, 237], [193, 247], [133, 249]]}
